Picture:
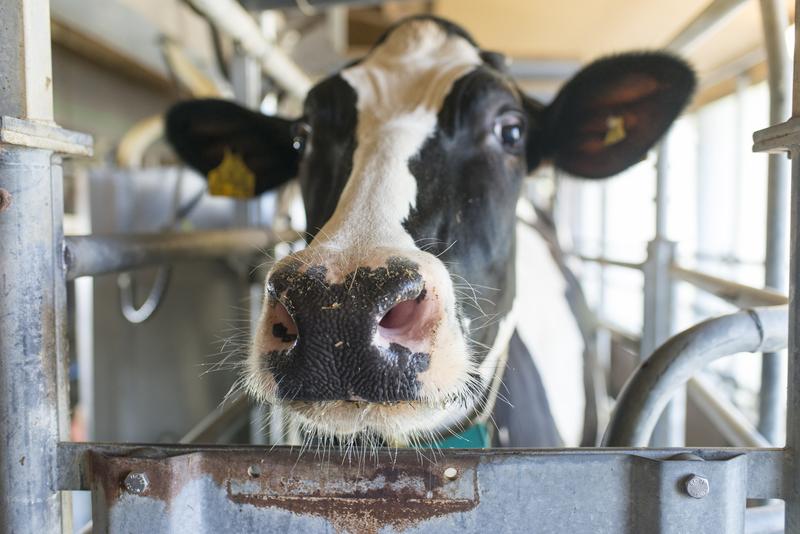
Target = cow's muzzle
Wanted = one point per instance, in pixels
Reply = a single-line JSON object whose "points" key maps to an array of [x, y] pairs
{"points": [[365, 335]]}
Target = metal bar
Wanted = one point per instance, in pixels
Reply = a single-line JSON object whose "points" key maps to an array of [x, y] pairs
{"points": [[739, 295], [764, 478], [711, 17], [731, 422], [658, 301], [773, 16], [793, 395], [33, 357], [208, 429], [25, 65], [676, 361], [783, 138], [231, 18], [100, 254], [606, 262]]}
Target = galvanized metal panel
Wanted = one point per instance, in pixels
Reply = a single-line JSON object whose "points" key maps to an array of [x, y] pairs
{"points": [[256, 489]]}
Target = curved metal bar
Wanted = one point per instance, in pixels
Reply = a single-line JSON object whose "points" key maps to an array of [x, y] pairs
{"points": [[649, 389], [151, 303]]}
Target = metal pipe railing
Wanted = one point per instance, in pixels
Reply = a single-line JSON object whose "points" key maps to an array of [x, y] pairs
{"points": [[650, 388], [740, 295], [711, 17], [606, 262], [231, 18], [101, 254]]}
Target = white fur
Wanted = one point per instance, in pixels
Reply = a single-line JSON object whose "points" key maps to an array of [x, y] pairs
{"points": [[549, 330]]}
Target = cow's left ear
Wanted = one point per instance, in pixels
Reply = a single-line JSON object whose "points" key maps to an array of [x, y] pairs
{"points": [[608, 116], [241, 152]]}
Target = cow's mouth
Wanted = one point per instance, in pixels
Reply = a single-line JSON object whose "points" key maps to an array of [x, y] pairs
{"points": [[418, 422]]}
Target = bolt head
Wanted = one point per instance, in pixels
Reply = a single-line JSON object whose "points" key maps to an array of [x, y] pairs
{"points": [[451, 473], [254, 471], [136, 483], [697, 486]]}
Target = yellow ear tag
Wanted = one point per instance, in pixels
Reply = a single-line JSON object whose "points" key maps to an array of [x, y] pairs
{"points": [[232, 178], [616, 130]]}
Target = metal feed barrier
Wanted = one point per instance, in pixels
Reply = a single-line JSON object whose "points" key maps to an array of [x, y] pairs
{"points": [[184, 488]]}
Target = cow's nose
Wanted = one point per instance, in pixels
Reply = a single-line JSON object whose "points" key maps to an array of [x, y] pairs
{"points": [[363, 336]]}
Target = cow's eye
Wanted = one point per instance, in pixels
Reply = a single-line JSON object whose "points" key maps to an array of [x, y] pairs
{"points": [[300, 132], [509, 129]]}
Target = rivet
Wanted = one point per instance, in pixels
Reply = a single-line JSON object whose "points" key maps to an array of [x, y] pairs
{"points": [[136, 483], [254, 471], [451, 473], [697, 486]]}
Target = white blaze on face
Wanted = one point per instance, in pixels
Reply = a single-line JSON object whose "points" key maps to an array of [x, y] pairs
{"points": [[401, 86]]}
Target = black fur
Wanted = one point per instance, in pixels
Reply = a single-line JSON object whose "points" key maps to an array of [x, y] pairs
{"points": [[522, 415], [330, 110]]}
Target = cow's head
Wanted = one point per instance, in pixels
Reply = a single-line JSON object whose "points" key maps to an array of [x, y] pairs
{"points": [[391, 322]]}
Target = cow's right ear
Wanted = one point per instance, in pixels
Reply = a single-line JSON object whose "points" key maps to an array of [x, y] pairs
{"points": [[241, 152]]}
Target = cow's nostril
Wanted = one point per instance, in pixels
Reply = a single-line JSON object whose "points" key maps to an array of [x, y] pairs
{"points": [[284, 328], [400, 317]]}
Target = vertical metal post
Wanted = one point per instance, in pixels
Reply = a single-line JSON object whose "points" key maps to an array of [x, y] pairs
{"points": [[33, 359], [246, 81], [29, 228], [773, 16], [792, 471], [659, 305]]}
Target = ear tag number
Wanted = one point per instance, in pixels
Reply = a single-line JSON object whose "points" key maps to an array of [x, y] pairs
{"points": [[616, 130], [232, 178]]}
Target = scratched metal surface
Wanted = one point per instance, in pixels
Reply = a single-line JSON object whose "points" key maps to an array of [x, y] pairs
{"points": [[213, 489]]}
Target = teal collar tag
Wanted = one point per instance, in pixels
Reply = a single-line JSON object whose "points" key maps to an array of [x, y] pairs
{"points": [[475, 437]]}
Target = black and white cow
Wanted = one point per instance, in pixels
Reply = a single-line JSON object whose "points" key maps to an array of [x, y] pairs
{"points": [[410, 163]]}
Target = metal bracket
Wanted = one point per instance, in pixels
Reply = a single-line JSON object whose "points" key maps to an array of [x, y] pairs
{"points": [[779, 138], [30, 134]]}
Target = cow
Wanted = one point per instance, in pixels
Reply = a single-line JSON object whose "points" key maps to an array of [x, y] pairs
{"points": [[410, 163]]}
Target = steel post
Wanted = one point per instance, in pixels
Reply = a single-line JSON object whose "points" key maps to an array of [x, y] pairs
{"points": [[792, 477], [779, 139], [773, 16], [33, 359], [659, 305], [31, 364]]}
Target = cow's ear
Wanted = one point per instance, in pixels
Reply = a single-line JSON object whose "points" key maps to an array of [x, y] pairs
{"points": [[241, 152], [608, 116]]}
